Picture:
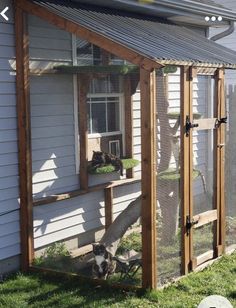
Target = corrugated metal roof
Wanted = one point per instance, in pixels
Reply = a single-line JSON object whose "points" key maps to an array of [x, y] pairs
{"points": [[164, 43]]}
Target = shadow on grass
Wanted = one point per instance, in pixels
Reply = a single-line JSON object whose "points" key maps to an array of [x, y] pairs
{"points": [[70, 292], [232, 294]]}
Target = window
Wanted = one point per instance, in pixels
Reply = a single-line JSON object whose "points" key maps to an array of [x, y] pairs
{"points": [[104, 105], [86, 53], [104, 99], [89, 54], [103, 114]]}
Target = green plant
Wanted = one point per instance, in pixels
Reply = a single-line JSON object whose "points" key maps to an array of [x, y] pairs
{"points": [[56, 256], [132, 241], [127, 164]]}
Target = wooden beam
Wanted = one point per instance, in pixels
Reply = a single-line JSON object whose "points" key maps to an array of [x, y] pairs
{"points": [[186, 178], [99, 40], [108, 192], [128, 122], [205, 124], [149, 197], [203, 258], [83, 86], [79, 192], [219, 237], [24, 138], [204, 218], [222, 166]]}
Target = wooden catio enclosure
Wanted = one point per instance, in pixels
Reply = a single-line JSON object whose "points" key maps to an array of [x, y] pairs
{"points": [[125, 72]]}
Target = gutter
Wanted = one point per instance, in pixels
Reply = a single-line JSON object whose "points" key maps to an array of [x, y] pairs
{"points": [[224, 33]]}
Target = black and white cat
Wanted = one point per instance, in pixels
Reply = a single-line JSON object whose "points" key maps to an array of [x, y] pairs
{"points": [[100, 159], [103, 264]]}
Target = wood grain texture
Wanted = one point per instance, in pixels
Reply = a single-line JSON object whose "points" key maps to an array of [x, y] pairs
{"points": [[219, 226], [208, 255], [204, 218], [24, 138], [148, 137], [83, 86], [185, 166], [108, 193], [78, 192]]}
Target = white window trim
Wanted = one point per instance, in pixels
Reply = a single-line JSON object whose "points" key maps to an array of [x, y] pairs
{"points": [[121, 124]]}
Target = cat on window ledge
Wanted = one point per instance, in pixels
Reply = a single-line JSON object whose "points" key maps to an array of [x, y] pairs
{"points": [[101, 159]]}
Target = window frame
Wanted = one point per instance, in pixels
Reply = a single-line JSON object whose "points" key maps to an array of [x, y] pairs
{"points": [[121, 117]]}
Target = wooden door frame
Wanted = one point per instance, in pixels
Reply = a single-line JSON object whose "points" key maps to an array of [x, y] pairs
{"points": [[217, 215]]}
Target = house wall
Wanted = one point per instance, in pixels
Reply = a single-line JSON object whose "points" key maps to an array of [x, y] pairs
{"points": [[52, 113], [9, 192]]}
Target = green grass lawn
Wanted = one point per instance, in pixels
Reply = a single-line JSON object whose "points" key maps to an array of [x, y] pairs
{"points": [[37, 290]]}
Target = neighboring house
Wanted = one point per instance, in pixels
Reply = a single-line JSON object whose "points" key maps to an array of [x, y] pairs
{"points": [[55, 128]]}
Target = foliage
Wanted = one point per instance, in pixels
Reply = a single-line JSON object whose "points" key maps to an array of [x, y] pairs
{"points": [[127, 164], [174, 174], [103, 69], [37, 290], [132, 241], [230, 230], [56, 256]]}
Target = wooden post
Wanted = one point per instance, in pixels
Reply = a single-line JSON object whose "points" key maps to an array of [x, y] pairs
{"points": [[186, 168], [108, 206], [24, 138], [149, 198], [219, 230], [222, 165], [128, 122], [83, 87]]}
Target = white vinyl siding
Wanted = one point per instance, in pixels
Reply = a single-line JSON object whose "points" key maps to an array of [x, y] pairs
{"points": [[68, 218], [137, 130], [52, 111], [9, 192], [49, 46]]}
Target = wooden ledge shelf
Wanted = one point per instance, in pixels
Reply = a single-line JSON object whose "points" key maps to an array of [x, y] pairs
{"points": [[78, 192], [128, 163], [97, 69]]}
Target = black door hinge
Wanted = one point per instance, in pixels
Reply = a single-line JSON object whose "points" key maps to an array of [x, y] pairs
{"points": [[190, 223], [189, 125]]}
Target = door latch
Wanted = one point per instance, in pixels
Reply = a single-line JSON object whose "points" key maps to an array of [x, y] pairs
{"points": [[220, 121], [189, 125], [190, 223]]}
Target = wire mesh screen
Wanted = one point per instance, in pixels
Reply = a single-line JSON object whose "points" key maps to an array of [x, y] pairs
{"points": [[230, 159], [203, 147], [168, 180], [203, 162], [107, 121], [203, 239]]}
